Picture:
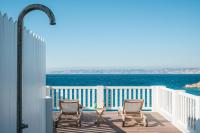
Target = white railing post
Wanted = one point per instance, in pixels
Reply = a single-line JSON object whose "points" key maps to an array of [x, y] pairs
{"points": [[198, 114], [106, 102], [155, 98], [49, 119], [175, 106], [100, 96], [48, 91]]}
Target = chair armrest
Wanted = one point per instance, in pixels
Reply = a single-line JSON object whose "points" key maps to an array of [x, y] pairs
{"points": [[143, 116], [120, 111], [123, 117], [79, 116], [58, 117]]}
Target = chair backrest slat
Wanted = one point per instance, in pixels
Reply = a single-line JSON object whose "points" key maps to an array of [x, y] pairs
{"points": [[133, 106], [69, 106]]}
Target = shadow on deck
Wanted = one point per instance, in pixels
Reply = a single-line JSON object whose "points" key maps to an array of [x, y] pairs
{"points": [[113, 124]]}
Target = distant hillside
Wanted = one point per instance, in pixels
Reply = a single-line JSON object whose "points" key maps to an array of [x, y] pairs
{"points": [[126, 71]]}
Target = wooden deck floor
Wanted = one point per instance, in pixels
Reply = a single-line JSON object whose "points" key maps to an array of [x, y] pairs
{"points": [[113, 124]]}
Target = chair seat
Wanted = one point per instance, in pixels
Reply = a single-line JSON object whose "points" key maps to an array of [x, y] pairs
{"points": [[63, 116], [132, 117]]}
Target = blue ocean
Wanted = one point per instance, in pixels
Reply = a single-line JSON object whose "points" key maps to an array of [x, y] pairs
{"points": [[173, 81]]}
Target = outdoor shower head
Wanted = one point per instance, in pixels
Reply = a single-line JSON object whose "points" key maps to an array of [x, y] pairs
{"points": [[37, 7], [53, 22], [51, 16]]}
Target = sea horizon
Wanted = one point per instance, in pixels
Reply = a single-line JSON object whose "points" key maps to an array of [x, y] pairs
{"points": [[122, 74]]}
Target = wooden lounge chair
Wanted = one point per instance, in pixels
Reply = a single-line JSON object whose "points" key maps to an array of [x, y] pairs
{"points": [[132, 109], [69, 112]]}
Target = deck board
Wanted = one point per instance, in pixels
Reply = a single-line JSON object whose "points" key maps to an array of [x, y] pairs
{"points": [[113, 124]]}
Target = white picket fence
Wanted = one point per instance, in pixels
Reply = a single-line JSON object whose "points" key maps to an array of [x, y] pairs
{"points": [[181, 108], [33, 78]]}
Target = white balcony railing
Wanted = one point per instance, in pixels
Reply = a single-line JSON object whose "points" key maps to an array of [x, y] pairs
{"points": [[177, 106], [111, 96]]}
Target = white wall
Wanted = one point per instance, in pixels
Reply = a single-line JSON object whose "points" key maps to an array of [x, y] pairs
{"points": [[33, 79]]}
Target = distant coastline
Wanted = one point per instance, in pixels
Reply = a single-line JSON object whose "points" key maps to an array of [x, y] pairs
{"points": [[124, 71]]}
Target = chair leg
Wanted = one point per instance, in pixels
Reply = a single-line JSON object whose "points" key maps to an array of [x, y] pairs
{"points": [[123, 120], [79, 123], [145, 122], [57, 121], [98, 124], [56, 124], [123, 123], [98, 121], [76, 123], [101, 117]]}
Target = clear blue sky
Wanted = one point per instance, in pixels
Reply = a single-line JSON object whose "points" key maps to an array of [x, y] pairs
{"points": [[107, 33]]}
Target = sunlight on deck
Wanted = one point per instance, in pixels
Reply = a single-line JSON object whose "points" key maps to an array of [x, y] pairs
{"points": [[157, 124]]}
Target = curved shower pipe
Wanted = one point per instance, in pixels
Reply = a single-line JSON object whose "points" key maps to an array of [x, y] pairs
{"points": [[20, 26]]}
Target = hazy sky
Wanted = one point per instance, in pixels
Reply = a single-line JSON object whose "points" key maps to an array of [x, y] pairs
{"points": [[96, 33]]}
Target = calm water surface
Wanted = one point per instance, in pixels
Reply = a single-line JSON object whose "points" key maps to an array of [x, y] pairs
{"points": [[174, 81]]}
